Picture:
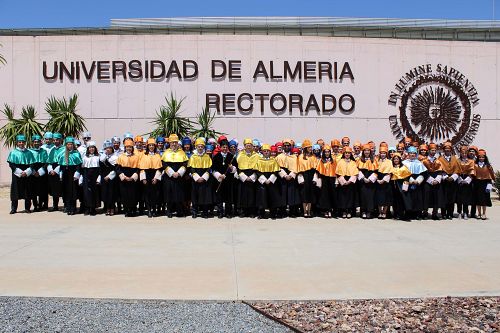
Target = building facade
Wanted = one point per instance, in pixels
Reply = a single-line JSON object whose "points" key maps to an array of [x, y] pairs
{"points": [[268, 78]]}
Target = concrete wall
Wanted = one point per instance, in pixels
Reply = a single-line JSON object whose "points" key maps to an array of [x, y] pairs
{"points": [[112, 108]]}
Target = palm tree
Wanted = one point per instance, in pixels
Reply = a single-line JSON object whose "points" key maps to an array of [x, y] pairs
{"points": [[26, 125], [2, 59], [168, 119], [64, 118], [205, 121]]}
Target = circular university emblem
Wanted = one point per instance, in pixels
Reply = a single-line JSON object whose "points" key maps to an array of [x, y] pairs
{"points": [[434, 104]]}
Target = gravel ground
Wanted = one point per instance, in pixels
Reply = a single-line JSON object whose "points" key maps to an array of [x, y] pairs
{"points": [[469, 314], [20, 314]]}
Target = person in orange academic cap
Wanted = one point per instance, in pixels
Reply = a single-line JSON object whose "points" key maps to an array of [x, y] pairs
{"points": [[307, 177], [150, 167], [367, 178], [336, 150], [326, 169], [347, 173], [483, 183], [422, 151], [356, 150], [290, 194], [433, 189], [466, 176], [346, 142], [451, 170]]}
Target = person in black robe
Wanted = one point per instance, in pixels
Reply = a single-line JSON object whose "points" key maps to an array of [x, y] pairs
{"points": [[90, 178], [200, 165], [127, 170], [39, 177], [223, 172], [54, 172], [108, 180], [70, 162], [268, 194], [150, 167], [20, 162]]}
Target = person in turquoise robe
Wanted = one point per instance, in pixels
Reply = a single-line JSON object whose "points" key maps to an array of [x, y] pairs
{"points": [[20, 162]]}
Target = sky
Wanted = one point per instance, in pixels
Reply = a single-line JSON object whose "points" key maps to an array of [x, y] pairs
{"points": [[97, 13]]}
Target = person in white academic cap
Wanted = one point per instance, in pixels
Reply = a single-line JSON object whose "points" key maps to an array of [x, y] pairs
{"points": [[86, 137]]}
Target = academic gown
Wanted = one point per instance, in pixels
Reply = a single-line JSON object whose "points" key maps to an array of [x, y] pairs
{"points": [[290, 193], [416, 191], [451, 170], [90, 174], [433, 194], [54, 181], [109, 181], [401, 198], [221, 166], [484, 178], [383, 191], [346, 193], [71, 171], [40, 183], [307, 168], [20, 160], [150, 167], [327, 195], [465, 190], [201, 192], [174, 188], [267, 195], [246, 189], [127, 166], [367, 189]]}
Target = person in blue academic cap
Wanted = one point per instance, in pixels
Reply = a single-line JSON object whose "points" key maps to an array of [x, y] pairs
{"points": [[70, 162], [187, 146], [20, 162], [40, 195], [415, 184]]}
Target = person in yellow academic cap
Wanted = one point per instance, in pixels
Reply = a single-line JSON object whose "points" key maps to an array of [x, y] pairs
{"points": [[483, 183], [202, 194], [268, 191], [174, 162], [247, 176], [290, 194], [150, 167]]}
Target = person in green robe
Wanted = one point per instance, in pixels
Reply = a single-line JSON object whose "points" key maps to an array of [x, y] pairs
{"points": [[70, 162], [20, 161], [54, 171], [40, 195]]}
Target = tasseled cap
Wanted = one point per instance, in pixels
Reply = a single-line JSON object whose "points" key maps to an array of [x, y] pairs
{"points": [[306, 143], [151, 141], [266, 146], [335, 143], [481, 152], [199, 141]]}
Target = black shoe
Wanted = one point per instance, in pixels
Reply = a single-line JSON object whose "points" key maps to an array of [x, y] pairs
{"points": [[13, 212], [150, 214], [204, 215], [36, 210], [220, 215], [93, 212], [194, 215], [27, 211], [169, 214]]}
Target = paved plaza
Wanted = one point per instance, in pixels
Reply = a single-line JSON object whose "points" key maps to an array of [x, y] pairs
{"points": [[54, 255]]}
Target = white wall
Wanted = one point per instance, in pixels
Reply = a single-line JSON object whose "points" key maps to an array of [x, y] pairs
{"points": [[116, 107]]}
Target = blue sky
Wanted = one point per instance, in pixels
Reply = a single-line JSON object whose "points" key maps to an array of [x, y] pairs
{"points": [[93, 13]]}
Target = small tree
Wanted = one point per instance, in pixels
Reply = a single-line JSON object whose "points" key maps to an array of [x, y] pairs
{"points": [[205, 121], [2, 59], [64, 118], [26, 125], [168, 119]]}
